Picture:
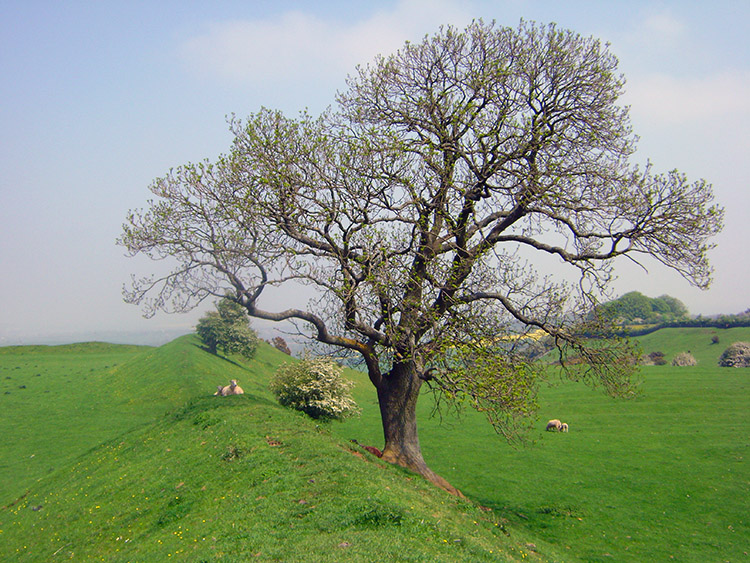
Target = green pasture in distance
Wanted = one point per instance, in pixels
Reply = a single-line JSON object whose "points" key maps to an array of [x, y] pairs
{"points": [[697, 341], [663, 475], [54, 405]]}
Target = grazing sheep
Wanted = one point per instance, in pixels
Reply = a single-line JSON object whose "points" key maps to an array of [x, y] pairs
{"points": [[564, 427], [232, 389], [554, 424]]}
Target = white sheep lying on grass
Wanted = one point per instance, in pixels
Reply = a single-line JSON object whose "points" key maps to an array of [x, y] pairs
{"points": [[232, 389]]}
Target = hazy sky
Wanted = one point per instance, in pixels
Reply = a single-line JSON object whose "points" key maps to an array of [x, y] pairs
{"points": [[99, 98]]}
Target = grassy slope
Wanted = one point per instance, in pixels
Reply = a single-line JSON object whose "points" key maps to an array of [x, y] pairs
{"points": [[223, 479], [641, 480]]}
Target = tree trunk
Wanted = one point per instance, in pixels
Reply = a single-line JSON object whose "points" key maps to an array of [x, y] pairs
{"points": [[397, 395]]}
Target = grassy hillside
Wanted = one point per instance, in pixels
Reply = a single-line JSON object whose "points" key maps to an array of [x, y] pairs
{"points": [[57, 402], [234, 479], [698, 341], [230, 479]]}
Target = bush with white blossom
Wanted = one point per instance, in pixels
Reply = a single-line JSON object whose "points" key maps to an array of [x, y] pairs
{"points": [[737, 356], [684, 359], [315, 387]]}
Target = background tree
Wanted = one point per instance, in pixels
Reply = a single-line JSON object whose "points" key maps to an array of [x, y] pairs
{"points": [[634, 307], [417, 209], [228, 329], [674, 307]]}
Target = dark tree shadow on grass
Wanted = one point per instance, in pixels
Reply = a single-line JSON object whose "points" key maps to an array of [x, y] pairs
{"points": [[234, 363]]}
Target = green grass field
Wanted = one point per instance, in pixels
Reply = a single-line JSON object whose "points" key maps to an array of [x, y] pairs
{"points": [[53, 407], [664, 475], [121, 454]]}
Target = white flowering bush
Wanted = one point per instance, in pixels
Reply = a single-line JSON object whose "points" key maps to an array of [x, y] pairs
{"points": [[315, 387], [737, 356], [684, 359]]}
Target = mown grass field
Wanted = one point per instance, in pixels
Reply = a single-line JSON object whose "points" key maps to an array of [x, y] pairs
{"points": [[153, 467]]}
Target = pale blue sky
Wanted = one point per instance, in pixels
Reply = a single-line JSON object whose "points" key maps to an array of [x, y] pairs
{"points": [[99, 98]]}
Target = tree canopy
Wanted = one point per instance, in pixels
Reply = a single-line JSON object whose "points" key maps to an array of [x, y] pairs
{"points": [[424, 209]]}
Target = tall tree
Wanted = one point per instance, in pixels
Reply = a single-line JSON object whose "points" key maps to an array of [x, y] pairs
{"points": [[418, 207]]}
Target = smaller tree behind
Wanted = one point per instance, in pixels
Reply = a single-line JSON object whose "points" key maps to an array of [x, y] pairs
{"points": [[634, 307], [228, 329]]}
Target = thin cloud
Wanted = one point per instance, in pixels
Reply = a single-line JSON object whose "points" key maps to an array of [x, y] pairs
{"points": [[663, 25], [657, 32], [298, 45], [673, 100]]}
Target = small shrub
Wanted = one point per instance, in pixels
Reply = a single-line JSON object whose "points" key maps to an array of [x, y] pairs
{"points": [[736, 356], [315, 387], [654, 359], [714, 339], [684, 359]]}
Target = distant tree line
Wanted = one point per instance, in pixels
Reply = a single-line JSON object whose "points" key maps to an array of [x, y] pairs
{"points": [[665, 311], [722, 321]]}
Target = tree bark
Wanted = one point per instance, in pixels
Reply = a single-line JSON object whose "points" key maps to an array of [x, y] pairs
{"points": [[398, 393]]}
